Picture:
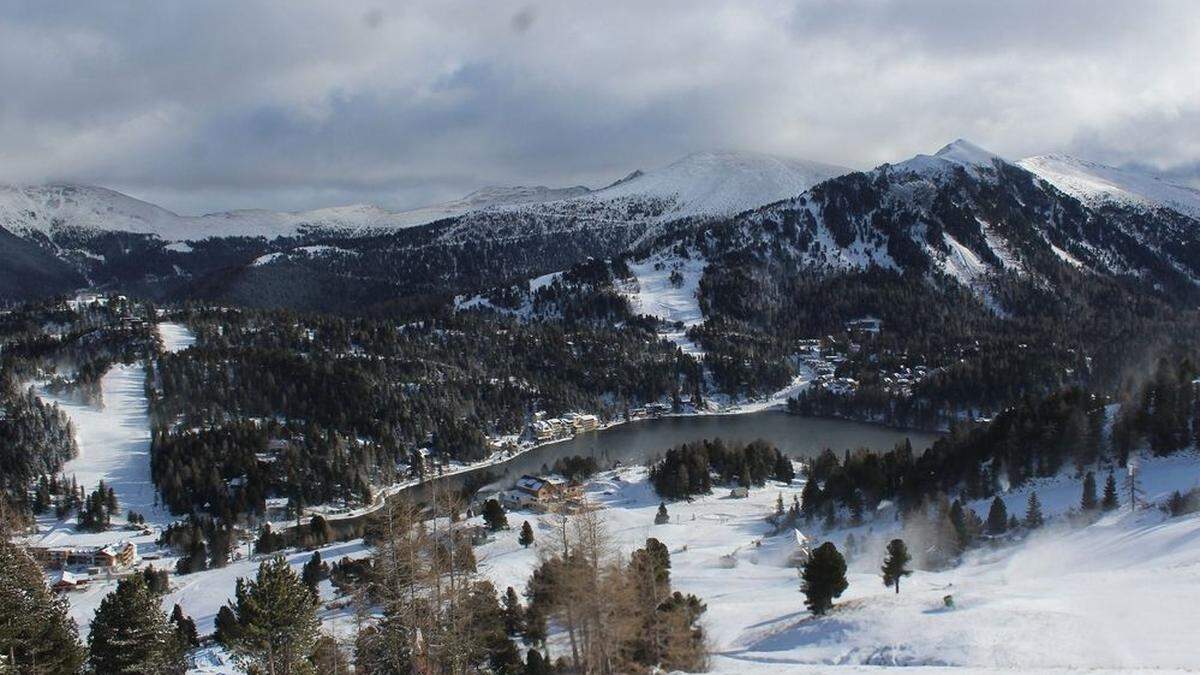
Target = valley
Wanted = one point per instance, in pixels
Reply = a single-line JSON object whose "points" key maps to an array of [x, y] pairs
{"points": [[777, 354]]}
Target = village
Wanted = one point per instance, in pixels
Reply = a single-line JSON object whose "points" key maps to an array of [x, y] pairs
{"points": [[824, 357]]}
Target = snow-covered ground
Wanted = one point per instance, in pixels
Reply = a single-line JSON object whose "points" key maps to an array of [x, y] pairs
{"points": [[175, 336], [1117, 595], [672, 301]]}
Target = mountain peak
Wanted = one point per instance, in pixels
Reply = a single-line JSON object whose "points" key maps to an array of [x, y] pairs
{"points": [[957, 153], [962, 151]]}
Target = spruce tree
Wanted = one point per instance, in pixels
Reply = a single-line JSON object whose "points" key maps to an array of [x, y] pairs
{"points": [[1110, 501], [314, 571], [662, 517], [131, 634], [526, 536], [1088, 501], [823, 578], [1033, 512], [493, 515], [185, 628], [226, 625], [959, 520], [37, 633], [277, 620], [997, 520], [514, 616], [895, 563]]}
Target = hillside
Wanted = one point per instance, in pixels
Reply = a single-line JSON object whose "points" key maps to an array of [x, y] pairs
{"points": [[1112, 595]]}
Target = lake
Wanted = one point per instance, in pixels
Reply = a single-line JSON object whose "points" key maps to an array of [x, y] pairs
{"points": [[639, 441]]}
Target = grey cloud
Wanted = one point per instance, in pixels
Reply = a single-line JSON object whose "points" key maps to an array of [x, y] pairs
{"points": [[208, 106]]}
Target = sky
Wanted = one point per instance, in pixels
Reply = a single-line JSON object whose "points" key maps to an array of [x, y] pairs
{"points": [[212, 106]]}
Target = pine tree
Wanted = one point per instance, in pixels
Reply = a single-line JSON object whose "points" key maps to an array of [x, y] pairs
{"points": [[662, 518], [526, 536], [277, 620], [997, 520], [535, 626], [227, 628], [895, 563], [959, 520], [156, 580], [1033, 512], [514, 616], [1088, 501], [493, 515], [314, 571], [37, 633], [1110, 501], [823, 578], [535, 664], [131, 634], [779, 506], [185, 628]]}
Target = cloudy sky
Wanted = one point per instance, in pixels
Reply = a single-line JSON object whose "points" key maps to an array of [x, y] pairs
{"points": [[290, 105]]}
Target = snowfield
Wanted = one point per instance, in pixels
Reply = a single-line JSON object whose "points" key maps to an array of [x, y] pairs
{"points": [[114, 441], [175, 336], [658, 296], [1118, 595]]}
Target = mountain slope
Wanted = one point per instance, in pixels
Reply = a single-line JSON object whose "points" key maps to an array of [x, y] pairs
{"points": [[1097, 184]]}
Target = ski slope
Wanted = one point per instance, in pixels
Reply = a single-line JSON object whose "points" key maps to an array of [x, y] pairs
{"points": [[114, 441], [175, 336], [677, 303]]}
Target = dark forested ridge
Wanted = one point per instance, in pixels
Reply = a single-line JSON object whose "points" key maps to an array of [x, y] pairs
{"points": [[319, 407]]}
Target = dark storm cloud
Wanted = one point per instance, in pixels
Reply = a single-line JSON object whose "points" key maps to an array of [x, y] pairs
{"points": [[205, 106]]}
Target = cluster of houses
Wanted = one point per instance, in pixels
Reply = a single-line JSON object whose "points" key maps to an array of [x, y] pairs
{"points": [[554, 428], [900, 382], [824, 356], [652, 410], [824, 362], [542, 493], [73, 566]]}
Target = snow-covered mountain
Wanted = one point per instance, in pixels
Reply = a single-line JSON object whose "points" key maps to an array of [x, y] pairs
{"points": [[700, 185], [962, 214], [959, 153], [719, 183], [1097, 184], [962, 211], [49, 209], [709, 183]]}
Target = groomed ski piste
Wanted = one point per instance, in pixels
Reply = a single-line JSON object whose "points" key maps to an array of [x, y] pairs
{"points": [[1118, 595]]}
